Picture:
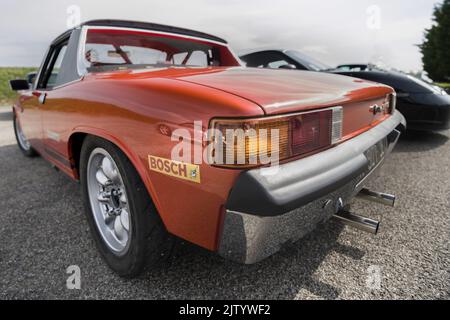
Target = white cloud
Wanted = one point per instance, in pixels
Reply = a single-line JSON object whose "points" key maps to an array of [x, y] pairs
{"points": [[332, 31]]}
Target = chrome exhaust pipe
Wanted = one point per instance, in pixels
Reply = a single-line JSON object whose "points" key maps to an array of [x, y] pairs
{"points": [[356, 221], [379, 197]]}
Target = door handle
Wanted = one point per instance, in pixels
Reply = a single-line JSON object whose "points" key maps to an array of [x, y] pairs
{"points": [[40, 95], [42, 98]]}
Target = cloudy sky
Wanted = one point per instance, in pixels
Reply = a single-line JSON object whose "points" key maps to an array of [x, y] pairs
{"points": [[334, 31]]}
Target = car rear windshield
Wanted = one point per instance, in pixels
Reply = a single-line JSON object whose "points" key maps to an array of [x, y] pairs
{"points": [[116, 47], [310, 63]]}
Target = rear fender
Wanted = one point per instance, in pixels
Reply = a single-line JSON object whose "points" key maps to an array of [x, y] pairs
{"points": [[140, 168]]}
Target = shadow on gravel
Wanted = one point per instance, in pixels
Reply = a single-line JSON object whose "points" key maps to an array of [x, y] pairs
{"points": [[420, 141], [191, 272], [6, 115], [281, 276]]}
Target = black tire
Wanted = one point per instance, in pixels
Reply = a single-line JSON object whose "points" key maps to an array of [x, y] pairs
{"points": [[28, 152], [150, 243]]}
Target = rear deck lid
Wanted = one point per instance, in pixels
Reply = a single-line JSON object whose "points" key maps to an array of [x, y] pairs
{"points": [[288, 91]]}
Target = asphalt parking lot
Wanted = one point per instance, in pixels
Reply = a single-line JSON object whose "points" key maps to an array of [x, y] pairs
{"points": [[43, 231]]}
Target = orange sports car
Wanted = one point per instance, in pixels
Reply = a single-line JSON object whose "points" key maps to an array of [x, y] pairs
{"points": [[169, 134]]}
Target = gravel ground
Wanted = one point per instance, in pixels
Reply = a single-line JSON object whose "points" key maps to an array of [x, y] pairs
{"points": [[43, 231]]}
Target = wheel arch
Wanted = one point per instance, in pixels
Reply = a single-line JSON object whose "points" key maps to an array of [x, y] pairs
{"points": [[75, 143]]}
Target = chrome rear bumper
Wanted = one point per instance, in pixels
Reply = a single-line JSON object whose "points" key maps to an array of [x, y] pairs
{"points": [[251, 235]]}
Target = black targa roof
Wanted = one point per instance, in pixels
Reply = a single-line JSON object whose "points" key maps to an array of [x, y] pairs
{"points": [[152, 26], [142, 25]]}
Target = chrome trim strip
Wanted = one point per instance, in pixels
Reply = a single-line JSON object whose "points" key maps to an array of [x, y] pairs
{"points": [[81, 65], [52, 135], [39, 72], [277, 116], [67, 83]]}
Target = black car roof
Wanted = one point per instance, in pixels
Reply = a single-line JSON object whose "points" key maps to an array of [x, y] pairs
{"points": [[256, 52], [144, 25]]}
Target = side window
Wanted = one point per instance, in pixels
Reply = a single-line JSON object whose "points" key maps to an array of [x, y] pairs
{"points": [[178, 58], [269, 59], [107, 54], [198, 58], [53, 67], [195, 58], [277, 64]]}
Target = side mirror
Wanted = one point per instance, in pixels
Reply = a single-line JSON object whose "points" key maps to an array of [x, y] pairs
{"points": [[287, 66], [31, 77], [19, 84]]}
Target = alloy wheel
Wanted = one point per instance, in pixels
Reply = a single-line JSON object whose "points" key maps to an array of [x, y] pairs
{"points": [[109, 201]]}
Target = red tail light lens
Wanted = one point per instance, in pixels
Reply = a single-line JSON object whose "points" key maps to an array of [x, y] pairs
{"points": [[310, 131]]}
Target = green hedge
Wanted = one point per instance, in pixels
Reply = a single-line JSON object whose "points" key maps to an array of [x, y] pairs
{"points": [[444, 85], [7, 96]]}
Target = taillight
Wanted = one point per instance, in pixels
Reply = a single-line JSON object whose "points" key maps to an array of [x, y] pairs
{"points": [[310, 131], [336, 125], [247, 142]]}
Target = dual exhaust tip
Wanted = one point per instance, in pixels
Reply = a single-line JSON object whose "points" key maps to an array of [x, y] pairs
{"points": [[364, 223], [357, 221], [378, 197]]}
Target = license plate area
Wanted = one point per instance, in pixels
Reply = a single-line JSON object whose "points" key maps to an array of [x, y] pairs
{"points": [[376, 153]]}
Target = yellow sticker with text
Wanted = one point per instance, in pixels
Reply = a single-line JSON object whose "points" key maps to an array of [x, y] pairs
{"points": [[182, 170]]}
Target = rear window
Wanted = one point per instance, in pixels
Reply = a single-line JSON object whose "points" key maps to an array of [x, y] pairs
{"points": [[109, 47]]}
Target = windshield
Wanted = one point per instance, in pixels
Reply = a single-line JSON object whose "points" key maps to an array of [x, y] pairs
{"points": [[119, 47], [308, 62]]}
